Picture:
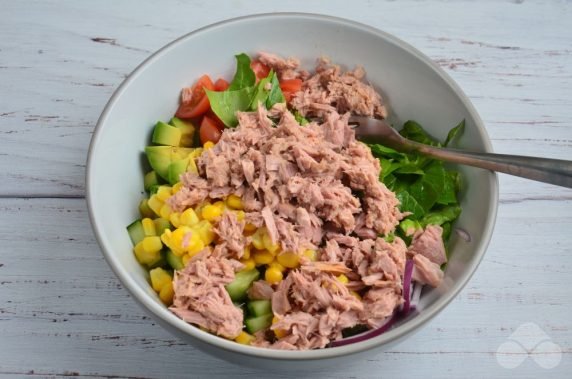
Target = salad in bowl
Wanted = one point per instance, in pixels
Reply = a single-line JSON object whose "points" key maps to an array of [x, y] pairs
{"points": [[266, 222]]}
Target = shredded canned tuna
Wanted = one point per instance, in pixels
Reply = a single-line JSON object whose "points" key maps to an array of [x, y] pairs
{"points": [[282, 232]]}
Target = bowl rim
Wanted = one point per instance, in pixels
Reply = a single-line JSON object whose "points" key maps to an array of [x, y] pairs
{"points": [[160, 312]]}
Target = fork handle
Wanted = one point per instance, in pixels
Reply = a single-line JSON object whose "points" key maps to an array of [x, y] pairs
{"points": [[553, 171]]}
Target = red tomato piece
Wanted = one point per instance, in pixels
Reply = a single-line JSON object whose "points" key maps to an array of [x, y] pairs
{"points": [[260, 69], [221, 85], [194, 102], [289, 88], [209, 130], [291, 85], [218, 122]]}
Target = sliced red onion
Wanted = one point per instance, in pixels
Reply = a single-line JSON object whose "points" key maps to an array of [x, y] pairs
{"points": [[408, 305], [369, 334], [416, 295], [407, 286], [463, 234]]}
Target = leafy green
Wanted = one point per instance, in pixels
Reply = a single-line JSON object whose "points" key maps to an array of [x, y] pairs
{"points": [[244, 75], [275, 96], [408, 224], [415, 132], [390, 181], [440, 216], [380, 151], [244, 94], [424, 187], [453, 133], [407, 168], [260, 93], [449, 193], [410, 204], [225, 104], [428, 187], [300, 119]]}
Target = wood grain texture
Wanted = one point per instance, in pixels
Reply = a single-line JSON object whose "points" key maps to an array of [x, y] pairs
{"points": [[62, 311]]}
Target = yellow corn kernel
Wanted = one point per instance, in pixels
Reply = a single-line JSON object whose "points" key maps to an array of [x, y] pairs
{"points": [[189, 217], [197, 152], [148, 227], [152, 244], [165, 211], [141, 255], [155, 204], [249, 228], [288, 259], [312, 255], [243, 338], [269, 245], [355, 294], [246, 253], [185, 259], [145, 257], [199, 210], [262, 257], [273, 275], [159, 278], [277, 266], [175, 239], [195, 245], [220, 204], [205, 231], [343, 279], [166, 237], [192, 167], [175, 219], [208, 145], [163, 193], [167, 293], [211, 212], [234, 202], [257, 241], [278, 332], [176, 187], [240, 215], [248, 263]]}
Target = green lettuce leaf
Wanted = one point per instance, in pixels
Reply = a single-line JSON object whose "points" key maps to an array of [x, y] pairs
{"points": [[422, 185], [300, 119], [225, 104], [449, 193], [453, 133], [275, 96], [380, 151], [427, 189], [243, 94], [415, 132], [409, 204], [267, 96], [260, 92], [441, 216], [244, 75]]}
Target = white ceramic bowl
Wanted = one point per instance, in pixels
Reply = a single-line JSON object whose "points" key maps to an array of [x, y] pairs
{"points": [[413, 85]]}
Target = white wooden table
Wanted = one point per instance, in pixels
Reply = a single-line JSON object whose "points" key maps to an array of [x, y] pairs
{"points": [[63, 312]]}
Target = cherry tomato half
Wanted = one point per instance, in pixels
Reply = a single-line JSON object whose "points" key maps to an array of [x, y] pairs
{"points": [[289, 87], [209, 130], [194, 101], [260, 69], [221, 85]]}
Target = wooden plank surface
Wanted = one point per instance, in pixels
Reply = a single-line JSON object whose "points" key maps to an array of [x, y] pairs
{"points": [[62, 311]]}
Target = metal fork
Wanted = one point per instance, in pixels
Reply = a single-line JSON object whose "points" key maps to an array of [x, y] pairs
{"points": [[553, 171]]}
